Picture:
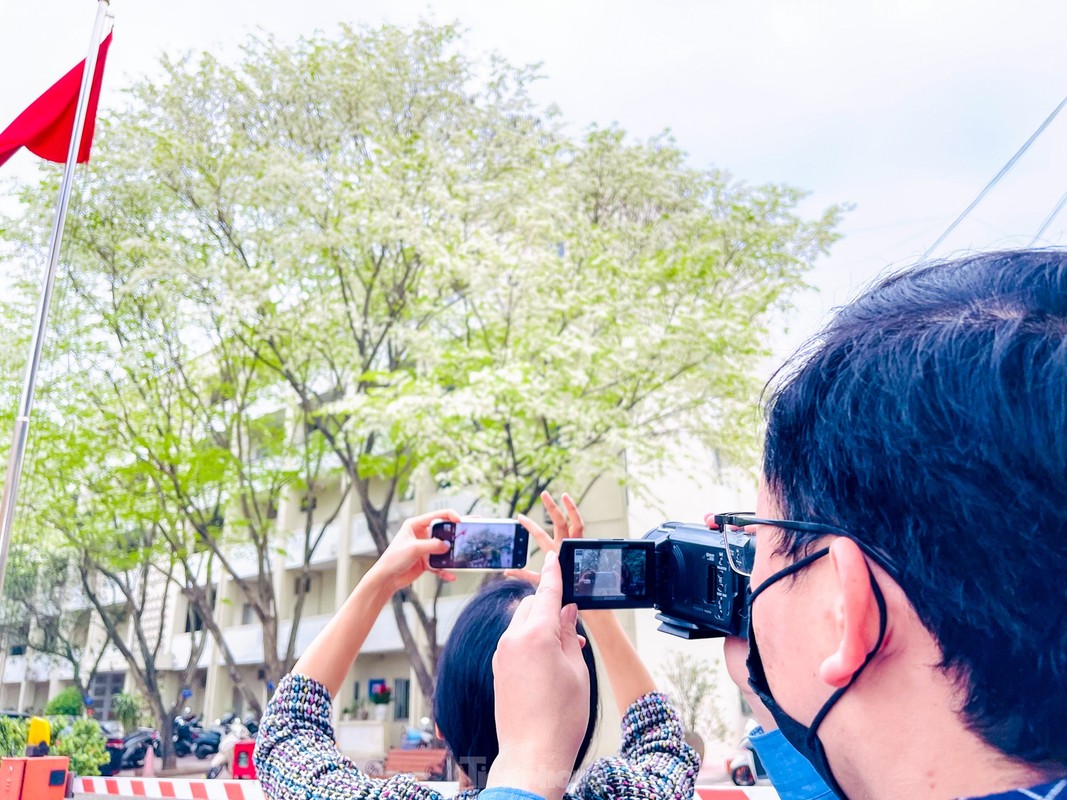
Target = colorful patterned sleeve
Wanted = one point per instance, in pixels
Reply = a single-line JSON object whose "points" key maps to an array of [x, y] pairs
{"points": [[654, 761], [297, 759]]}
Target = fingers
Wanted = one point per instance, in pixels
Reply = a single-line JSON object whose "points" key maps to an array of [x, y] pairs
{"points": [[522, 612], [568, 633], [549, 596], [420, 525], [528, 575], [443, 574], [544, 541], [559, 521], [576, 525], [431, 547]]}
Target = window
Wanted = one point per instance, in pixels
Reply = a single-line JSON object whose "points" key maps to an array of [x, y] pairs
{"points": [[403, 699], [302, 585], [248, 614], [103, 688], [194, 621]]}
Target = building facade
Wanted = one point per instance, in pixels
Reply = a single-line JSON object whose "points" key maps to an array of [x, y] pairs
{"points": [[28, 679]]}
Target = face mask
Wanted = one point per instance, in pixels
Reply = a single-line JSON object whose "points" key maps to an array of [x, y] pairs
{"points": [[805, 739]]}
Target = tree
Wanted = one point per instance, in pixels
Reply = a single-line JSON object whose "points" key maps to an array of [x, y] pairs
{"points": [[42, 600], [426, 272], [127, 709], [67, 703], [691, 689], [631, 321]]}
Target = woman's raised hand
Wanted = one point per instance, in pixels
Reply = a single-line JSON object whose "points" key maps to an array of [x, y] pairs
{"points": [[408, 555], [566, 524]]}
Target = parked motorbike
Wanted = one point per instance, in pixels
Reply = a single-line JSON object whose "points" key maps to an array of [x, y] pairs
{"points": [[186, 735], [223, 760], [420, 737], [128, 752], [207, 743], [745, 767]]}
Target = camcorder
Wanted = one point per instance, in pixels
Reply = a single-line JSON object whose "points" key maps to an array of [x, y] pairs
{"points": [[680, 569]]}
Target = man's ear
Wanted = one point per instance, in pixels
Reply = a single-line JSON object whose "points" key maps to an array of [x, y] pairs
{"points": [[855, 613]]}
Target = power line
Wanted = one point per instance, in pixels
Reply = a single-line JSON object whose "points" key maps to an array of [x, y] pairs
{"points": [[1048, 220], [996, 179]]}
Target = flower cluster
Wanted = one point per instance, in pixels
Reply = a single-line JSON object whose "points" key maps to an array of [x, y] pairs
{"points": [[381, 694]]}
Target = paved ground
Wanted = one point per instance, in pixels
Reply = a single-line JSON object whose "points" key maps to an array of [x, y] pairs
{"points": [[188, 767]]}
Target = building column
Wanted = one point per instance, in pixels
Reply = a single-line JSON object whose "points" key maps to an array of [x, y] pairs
{"points": [[55, 685], [281, 576], [344, 547], [214, 705]]}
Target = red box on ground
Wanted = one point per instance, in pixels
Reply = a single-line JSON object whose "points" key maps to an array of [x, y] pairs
{"points": [[242, 761], [43, 778]]}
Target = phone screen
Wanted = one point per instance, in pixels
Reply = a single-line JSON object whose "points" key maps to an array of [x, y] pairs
{"points": [[481, 544]]}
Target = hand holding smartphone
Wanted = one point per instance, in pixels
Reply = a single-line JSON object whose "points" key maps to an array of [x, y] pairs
{"points": [[481, 543]]}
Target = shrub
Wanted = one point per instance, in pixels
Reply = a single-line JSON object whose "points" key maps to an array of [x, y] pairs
{"points": [[66, 703], [84, 743], [13, 736]]}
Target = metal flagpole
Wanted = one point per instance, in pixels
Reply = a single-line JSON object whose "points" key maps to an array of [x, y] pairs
{"points": [[22, 419]]}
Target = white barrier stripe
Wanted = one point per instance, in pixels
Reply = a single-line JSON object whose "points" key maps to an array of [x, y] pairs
{"points": [[735, 793], [192, 789], [178, 788]]}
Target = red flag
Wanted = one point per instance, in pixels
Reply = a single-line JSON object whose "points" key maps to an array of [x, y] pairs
{"points": [[47, 125]]}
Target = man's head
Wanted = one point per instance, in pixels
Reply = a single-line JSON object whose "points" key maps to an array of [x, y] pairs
{"points": [[930, 420], [464, 695]]}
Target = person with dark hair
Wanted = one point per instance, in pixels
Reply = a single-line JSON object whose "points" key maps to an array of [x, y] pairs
{"points": [[463, 700], [907, 628], [296, 756]]}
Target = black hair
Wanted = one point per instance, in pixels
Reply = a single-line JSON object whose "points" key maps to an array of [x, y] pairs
{"points": [[930, 420], [464, 699]]}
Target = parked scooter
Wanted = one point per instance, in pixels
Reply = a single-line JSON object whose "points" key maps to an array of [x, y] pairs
{"points": [[207, 742], [128, 752], [186, 735], [223, 760], [420, 737]]}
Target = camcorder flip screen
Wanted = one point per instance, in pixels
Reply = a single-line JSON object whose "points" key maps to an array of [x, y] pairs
{"points": [[682, 570], [480, 543], [610, 574]]}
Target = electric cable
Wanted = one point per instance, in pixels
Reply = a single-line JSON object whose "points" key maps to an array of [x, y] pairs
{"points": [[996, 179], [1048, 220]]}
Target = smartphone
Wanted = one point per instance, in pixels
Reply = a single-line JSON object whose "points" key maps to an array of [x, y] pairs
{"points": [[480, 543]]}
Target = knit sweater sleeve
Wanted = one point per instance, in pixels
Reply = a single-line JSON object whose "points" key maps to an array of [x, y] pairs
{"points": [[297, 759], [654, 760]]}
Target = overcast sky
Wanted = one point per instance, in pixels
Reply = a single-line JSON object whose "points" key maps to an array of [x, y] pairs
{"points": [[905, 108]]}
